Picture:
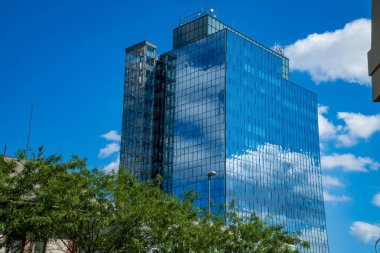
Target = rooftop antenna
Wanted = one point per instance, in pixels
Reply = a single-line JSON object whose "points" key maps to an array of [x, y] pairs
{"points": [[213, 12], [207, 5], [209, 10], [205, 10], [279, 49], [30, 127]]}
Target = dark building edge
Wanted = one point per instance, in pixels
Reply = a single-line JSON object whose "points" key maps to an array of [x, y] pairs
{"points": [[374, 53]]}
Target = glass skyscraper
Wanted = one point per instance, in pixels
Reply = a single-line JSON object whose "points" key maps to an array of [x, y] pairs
{"points": [[220, 101]]}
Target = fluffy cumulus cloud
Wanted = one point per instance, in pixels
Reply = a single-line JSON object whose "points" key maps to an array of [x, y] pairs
{"points": [[355, 127], [333, 55], [348, 163], [330, 182], [340, 54], [376, 200], [111, 136], [112, 166], [365, 232], [333, 198], [327, 130], [109, 149], [333, 182]]}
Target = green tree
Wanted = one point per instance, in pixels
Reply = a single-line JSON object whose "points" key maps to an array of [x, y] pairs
{"points": [[251, 234], [91, 211], [17, 201]]}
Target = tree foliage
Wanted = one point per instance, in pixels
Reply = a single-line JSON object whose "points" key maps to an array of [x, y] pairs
{"points": [[89, 211]]}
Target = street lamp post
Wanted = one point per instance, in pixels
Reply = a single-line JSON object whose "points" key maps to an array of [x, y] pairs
{"points": [[209, 175], [376, 244]]}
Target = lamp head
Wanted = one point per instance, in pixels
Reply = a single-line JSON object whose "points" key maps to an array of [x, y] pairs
{"points": [[211, 173]]}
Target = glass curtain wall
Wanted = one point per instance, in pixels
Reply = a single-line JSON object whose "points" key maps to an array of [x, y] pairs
{"points": [[137, 125], [164, 119], [199, 119], [222, 102], [272, 146]]}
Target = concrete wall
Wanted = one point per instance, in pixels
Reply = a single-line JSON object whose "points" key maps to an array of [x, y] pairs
{"points": [[53, 246]]}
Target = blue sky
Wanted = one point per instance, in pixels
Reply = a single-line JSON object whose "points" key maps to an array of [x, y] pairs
{"points": [[67, 57]]}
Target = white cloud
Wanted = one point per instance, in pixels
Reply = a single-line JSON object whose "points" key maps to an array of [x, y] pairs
{"points": [[111, 136], [364, 231], [330, 182], [349, 163], [356, 127], [376, 200], [109, 150], [327, 130], [340, 54], [113, 166], [333, 198]]}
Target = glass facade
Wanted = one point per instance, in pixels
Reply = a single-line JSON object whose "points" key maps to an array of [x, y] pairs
{"points": [[138, 110], [206, 25], [272, 147], [224, 103], [199, 119]]}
